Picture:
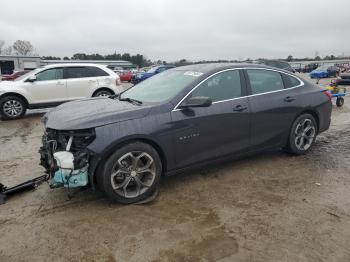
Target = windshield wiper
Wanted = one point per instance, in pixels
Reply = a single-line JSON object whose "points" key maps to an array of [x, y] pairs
{"points": [[131, 100]]}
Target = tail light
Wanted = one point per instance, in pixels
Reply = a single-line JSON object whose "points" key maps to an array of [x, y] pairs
{"points": [[328, 94]]}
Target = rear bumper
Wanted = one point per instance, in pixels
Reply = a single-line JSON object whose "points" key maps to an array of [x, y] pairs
{"points": [[324, 113]]}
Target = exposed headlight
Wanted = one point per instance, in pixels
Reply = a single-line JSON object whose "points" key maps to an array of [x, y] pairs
{"points": [[81, 138]]}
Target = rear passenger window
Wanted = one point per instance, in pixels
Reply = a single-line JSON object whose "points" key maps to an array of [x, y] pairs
{"points": [[226, 85], [95, 71], [262, 81], [290, 81], [77, 72]]}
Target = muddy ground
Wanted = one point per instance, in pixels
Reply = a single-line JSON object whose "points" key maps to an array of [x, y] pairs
{"points": [[271, 207]]}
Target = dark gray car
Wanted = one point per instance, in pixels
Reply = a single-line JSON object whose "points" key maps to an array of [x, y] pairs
{"points": [[184, 117]]}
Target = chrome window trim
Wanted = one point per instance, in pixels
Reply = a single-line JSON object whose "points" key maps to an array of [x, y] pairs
{"points": [[240, 68]]}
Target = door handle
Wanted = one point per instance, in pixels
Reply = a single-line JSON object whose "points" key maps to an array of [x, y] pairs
{"points": [[239, 108], [60, 84], [289, 99], [91, 81]]}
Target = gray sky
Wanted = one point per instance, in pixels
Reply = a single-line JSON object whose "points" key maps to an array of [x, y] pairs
{"points": [[175, 29]]}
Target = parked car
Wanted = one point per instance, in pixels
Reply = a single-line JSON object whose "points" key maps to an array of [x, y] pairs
{"points": [[344, 79], [124, 75], [276, 63], [324, 71], [55, 84], [309, 67], [151, 72], [14, 75], [179, 119]]}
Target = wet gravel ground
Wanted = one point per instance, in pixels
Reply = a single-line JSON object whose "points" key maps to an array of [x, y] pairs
{"points": [[271, 207]]}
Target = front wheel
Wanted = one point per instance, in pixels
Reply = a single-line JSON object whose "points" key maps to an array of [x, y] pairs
{"points": [[102, 92], [131, 174], [12, 107], [302, 134]]}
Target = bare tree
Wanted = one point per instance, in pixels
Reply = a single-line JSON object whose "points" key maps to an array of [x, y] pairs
{"points": [[22, 47], [2, 43], [7, 50]]}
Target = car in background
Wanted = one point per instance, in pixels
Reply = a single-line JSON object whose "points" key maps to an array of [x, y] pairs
{"points": [[324, 71], [179, 119], [14, 75], [55, 84], [151, 72], [309, 68], [124, 75], [297, 68], [276, 63], [344, 79]]}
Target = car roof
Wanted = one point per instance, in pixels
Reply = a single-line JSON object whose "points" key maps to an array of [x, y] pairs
{"points": [[211, 67], [74, 65]]}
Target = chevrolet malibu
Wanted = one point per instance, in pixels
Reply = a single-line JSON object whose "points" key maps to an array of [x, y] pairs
{"points": [[182, 118]]}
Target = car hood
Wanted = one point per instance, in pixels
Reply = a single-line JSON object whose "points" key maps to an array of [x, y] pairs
{"points": [[93, 112]]}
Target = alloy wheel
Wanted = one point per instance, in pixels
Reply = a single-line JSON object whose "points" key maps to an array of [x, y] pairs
{"points": [[103, 93], [133, 174], [305, 133], [12, 108]]}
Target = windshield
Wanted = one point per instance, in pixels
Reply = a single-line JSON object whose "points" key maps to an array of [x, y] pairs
{"points": [[161, 87], [27, 74]]}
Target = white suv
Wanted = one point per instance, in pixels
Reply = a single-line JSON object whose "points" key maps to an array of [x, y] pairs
{"points": [[55, 84]]}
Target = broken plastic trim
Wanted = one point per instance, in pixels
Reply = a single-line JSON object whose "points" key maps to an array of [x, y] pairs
{"points": [[25, 186]]}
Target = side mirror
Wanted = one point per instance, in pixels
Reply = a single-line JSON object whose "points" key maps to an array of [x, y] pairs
{"points": [[32, 79], [198, 101]]}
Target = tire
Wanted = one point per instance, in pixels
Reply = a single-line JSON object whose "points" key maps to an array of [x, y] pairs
{"points": [[339, 102], [12, 107], [120, 179], [102, 92], [301, 138]]}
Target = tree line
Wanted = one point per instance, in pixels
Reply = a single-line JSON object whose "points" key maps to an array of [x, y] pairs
{"points": [[25, 48], [137, 59]]}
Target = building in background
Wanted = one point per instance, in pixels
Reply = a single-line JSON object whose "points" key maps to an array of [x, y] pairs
{"points": [[14, 63], [11, 63]]}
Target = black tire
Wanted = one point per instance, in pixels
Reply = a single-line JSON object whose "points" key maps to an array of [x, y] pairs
{"points": [[19, 107], [111, 166], [339, 102], [103, 92], [297, 138]]}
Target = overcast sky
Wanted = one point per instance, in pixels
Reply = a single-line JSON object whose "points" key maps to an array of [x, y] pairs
{"points": [[174, 29]]}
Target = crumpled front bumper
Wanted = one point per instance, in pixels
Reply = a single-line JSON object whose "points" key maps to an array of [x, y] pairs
{"points": [[54, 141]]}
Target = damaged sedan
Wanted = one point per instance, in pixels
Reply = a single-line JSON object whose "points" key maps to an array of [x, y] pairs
{"points": [[182, 118]]}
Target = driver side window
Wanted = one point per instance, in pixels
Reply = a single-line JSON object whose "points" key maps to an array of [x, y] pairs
{"points": [[50, 74], [225, 85]]}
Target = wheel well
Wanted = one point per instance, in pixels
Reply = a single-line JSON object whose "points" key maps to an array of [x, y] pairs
{"points": [[121, 144], [103, 88], [314, 114], [16, 94]]}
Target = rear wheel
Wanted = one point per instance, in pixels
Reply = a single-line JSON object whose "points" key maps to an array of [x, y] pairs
{"points": [[103, 92], [302, 135], [12, 107], [132, 173]]}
